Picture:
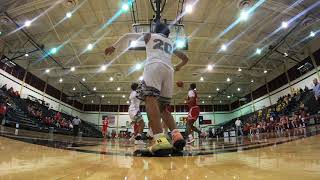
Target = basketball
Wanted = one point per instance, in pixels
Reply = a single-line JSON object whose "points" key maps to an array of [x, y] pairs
{"points": [[179, 83]]}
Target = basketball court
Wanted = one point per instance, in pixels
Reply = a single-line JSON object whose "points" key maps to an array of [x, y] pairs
{"points": [[67, 81]]}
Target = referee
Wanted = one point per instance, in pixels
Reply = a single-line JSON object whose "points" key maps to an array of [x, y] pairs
{"points": [[75, 122]]}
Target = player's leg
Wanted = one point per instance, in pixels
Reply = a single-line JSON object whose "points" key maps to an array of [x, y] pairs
{"points": [[192, 117], [177, 139], [164, 103], [150, 91], [189, 131], [133, 122], [139, 128], [165, 128], [104, 131], [150, 132]]}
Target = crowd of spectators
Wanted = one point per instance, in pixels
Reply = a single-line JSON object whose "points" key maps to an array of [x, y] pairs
{"points": [[289, 112], [10, 91], [35, 110], [48, 119]]}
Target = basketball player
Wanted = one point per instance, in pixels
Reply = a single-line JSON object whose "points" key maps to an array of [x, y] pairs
{"points": [[105, 125], [157, 87], [193, 114], [135, 115]]}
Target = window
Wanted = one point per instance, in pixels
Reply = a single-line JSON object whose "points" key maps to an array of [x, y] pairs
{"points": [[259, 92], [278, 82]]}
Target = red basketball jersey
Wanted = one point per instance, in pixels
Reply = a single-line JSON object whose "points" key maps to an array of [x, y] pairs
{"points": [[194, 95], [105, 122]]}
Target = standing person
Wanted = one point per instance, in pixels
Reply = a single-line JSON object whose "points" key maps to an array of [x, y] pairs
{"points": [[157, 86], [76, 122], [238, 124], [194, 111], [105, 125], [316, 90], [135, 115]]}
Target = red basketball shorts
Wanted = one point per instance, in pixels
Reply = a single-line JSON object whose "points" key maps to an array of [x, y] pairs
{"points": [[193, 113]]}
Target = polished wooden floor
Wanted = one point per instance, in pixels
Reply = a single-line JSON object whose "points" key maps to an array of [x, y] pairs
{"points": [[290, 155]]}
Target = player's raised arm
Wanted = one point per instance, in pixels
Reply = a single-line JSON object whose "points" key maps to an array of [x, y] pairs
{"points": [[183, 57], [127, 37]]}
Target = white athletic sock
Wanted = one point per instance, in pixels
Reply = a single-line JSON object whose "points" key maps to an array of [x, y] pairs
{"points": [[157, 136]]}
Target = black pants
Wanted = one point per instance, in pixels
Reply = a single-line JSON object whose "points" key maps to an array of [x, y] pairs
{"points": [[1, 118], [75, 130]]}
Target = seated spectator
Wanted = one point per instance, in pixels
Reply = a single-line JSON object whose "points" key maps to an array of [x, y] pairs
{"points": [[246, 129], [17, 94], [11, 92], [57, 117], [3, 111], [4, 88]]}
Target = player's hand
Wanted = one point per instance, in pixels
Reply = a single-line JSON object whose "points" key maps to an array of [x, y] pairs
{"points": [[177, 68], [109, 50]]}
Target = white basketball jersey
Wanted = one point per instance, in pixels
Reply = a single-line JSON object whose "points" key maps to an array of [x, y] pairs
{"points": [[159, 49], [134, 102]]}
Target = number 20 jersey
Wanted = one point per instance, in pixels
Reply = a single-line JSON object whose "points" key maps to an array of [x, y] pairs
{"points": [[159, 50]]}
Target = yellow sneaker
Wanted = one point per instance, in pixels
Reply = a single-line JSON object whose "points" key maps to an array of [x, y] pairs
{"points": [[161, 143]]}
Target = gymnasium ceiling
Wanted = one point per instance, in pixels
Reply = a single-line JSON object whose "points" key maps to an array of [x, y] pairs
{"points": [[204, 26]]}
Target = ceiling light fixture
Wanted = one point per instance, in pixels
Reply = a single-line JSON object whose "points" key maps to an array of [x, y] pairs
{"points": [[125, 7], [210, 67], [189, 8], [103, 67], [68, 15], [90, 47], [312, 34], [223, 47], [258, 51], [27, 23], [244, 15], [284, 25]]}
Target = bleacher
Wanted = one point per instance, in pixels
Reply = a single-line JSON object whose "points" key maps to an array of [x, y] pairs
{"points": [[18, 117], [282, 108]]}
